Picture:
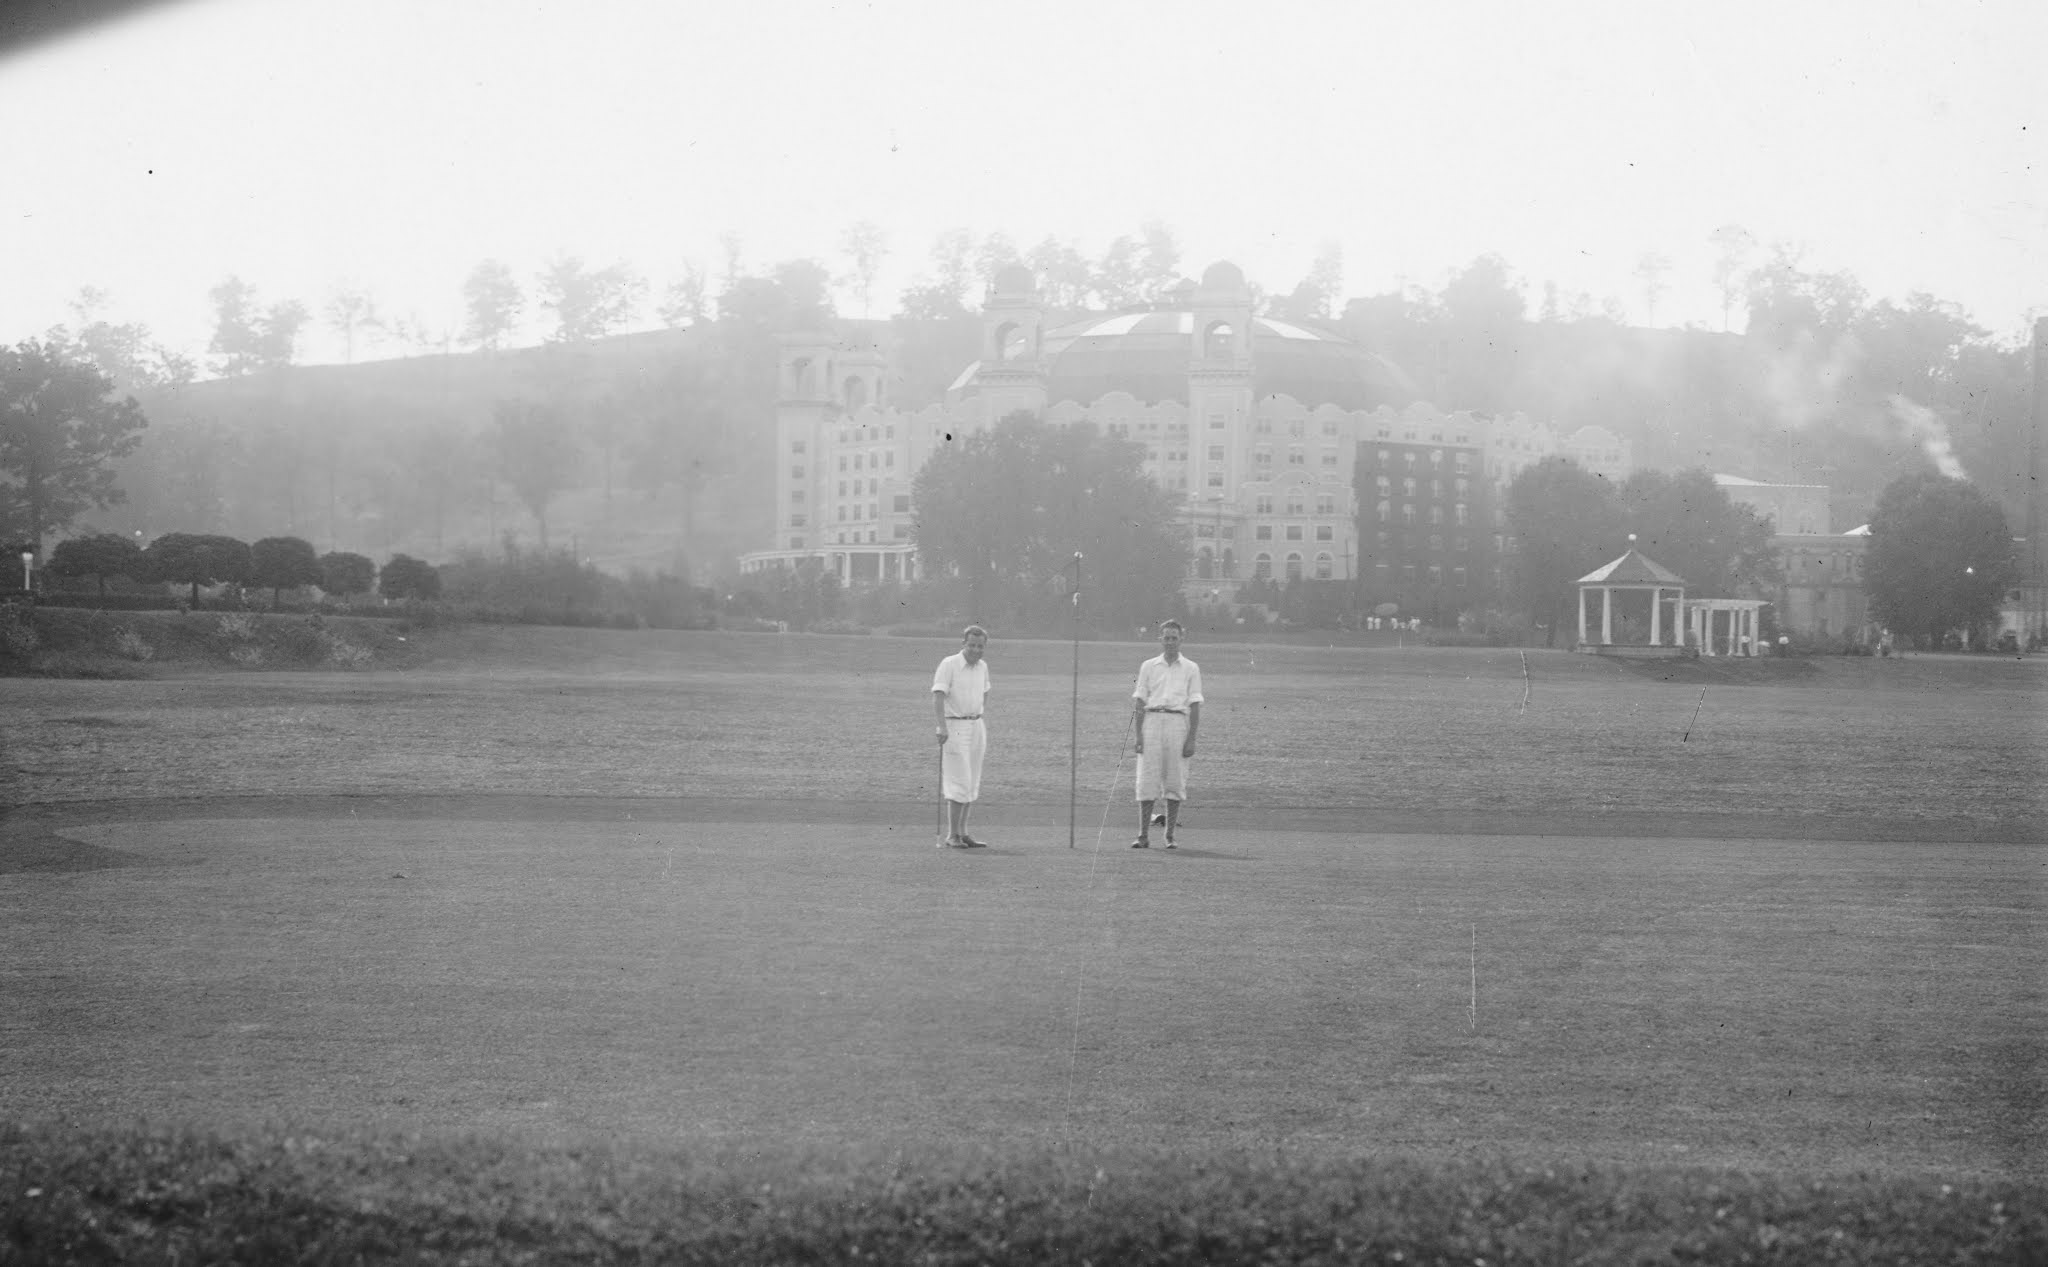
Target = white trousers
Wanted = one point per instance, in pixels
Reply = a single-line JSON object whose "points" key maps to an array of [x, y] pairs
{"points": [[1162, 771], [966, 745]]}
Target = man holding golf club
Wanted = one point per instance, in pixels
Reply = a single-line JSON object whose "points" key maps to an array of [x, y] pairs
{"points": [[1166, 710], [959, 689]]}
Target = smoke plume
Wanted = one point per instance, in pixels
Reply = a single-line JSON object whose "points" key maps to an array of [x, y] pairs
{"points": [[1926, 426]]}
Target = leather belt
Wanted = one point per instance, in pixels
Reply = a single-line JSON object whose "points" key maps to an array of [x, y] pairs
{"points": [[1181, 711], [951, 717]]}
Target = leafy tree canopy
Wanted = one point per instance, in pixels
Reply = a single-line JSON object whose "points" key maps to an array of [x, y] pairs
{"points": [[1687, 523], [247, 337], [1941, 557], [1002, 513], [589, 303], [406, 577], [100, 556], [344, 573], [1565, 523], [193, 559], [282, 563], [60, 432]]}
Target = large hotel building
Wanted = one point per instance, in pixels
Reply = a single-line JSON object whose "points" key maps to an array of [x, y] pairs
{"points": [[1273, 432]]}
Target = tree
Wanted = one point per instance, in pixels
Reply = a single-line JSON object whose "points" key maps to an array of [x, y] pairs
{"points": [[1158, 260], [1941, 557], [950, 255], [124, 352], [248, 338], [185, 558], [1732, 244], [1315, 296], [283, 563], [99, 556], [343, 574], [1480, 336], [1002, 513], [348, 310], [1688, 523], [536, 455], [406, 577], [589, 303], [59, 433], [682, 304], [1652, 268], [494, 301], [1064, 278], [1564, 524], [865, 246]]}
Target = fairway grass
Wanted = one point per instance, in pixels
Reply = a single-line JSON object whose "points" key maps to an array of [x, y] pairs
{"points": [[1464, 919]]}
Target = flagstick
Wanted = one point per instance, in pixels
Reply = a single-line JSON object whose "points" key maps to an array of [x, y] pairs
{"points": [[1074, 715]]}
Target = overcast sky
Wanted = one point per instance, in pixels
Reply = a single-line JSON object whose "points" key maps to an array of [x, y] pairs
{"points": [[392, 144]]}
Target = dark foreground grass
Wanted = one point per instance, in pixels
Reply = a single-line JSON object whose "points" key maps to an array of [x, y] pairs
{"points": [[143, 1196]]}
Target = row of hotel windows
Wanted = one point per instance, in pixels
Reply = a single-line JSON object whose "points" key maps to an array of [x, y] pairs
{"points": [[1385, 513], [1326, 567], [902, 533], [1463, 461], [1385, 486]]}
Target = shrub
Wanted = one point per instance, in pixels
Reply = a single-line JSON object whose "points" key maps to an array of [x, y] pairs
{"points": [[348, 655], [18, 639], [299, 642], [838, 627], [130, 645], [246, 657], [238, 626]]}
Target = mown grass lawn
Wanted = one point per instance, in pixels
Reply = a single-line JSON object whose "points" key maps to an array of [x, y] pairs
{"points": [[1432, 912]]}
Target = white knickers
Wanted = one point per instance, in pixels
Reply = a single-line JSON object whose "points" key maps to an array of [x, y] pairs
{"points": [[1162, 771], [966, 744]]}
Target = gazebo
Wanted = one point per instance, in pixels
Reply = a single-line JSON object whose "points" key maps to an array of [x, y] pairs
{"points": [[1732, 624], [1632, 574]]}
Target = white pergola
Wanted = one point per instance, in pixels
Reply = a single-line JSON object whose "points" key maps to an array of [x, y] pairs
{"points": [[1633, 572], [1736, 632]]}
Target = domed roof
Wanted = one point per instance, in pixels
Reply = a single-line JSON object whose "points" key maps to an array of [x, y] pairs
{"points": [[1148, 354]]}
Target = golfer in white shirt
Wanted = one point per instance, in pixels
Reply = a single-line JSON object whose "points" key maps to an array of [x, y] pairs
{"points": [[959, 691], [1166, 710]]}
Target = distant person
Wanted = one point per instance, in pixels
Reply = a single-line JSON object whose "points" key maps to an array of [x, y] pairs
{"points": [[1166, 710], [959, 692]]}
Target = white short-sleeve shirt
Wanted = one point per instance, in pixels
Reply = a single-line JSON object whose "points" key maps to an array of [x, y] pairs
{"points": [[965, 685], [1163, 685]]}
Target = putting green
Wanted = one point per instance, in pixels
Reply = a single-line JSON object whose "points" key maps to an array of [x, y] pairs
{"points": [[448, 966]]}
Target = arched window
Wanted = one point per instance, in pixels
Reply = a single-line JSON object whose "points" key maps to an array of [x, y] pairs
{"points": [[1293, 566], [1011, 343], [1262, 566], [1386, 512], [1325, 567], [1217, 340], [1229, 562], [1205, 563], [856, 393]]}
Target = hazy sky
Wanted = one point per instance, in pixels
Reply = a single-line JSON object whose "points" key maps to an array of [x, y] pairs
{"points": [[392, 144]]}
